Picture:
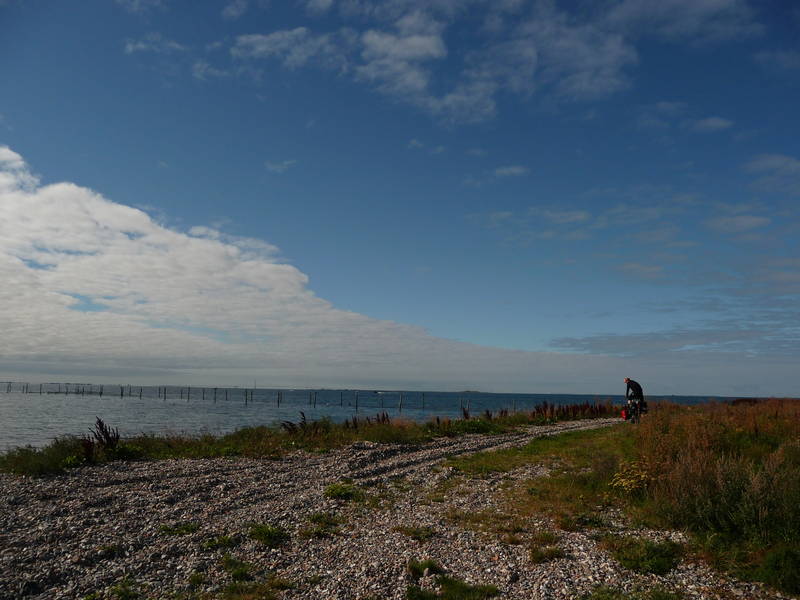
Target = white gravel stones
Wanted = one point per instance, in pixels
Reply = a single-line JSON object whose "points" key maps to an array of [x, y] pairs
{"points": [[82, 532]]}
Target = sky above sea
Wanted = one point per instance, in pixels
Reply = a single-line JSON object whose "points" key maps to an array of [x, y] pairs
{"points": [[506, 196]]}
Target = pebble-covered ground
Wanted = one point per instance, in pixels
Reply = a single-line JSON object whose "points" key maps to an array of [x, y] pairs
{"points": [[84, 532]]}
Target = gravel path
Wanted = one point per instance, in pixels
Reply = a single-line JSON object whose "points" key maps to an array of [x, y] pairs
{"points": [[83, 532]]}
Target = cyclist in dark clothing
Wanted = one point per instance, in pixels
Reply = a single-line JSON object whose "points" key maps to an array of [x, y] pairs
{"points": [[634, 390], [635, 396]]}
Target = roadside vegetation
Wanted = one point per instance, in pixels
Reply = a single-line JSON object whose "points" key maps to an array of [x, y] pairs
{"points": [[725, 473], [104, 444]]}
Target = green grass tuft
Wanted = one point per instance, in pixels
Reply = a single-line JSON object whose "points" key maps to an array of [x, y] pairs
{"points": [[421, 534], [344, 491], [271, 536], [417, 568], [644, 556], [179, 528]]}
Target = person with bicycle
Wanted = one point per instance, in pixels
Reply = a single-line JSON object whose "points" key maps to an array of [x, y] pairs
{"points": [[635, 397]]}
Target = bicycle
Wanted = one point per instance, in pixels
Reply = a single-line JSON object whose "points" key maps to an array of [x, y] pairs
{"points": [[634, 410]]}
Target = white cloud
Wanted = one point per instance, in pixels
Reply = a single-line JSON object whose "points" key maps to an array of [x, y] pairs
{"points": [[696, 20], [511, 171], [234, 9], [563, 217], [280, 166], [781, 60], [141, 6], [779, 173], [737, 223], [642, 271], [396, 61], [296, 48], [203, 71], [153, 42], [580, 60], [206, 308], [711, 124], [318, 7]]}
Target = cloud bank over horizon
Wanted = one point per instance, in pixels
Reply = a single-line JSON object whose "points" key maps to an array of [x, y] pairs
{"points": [[96, 290]]}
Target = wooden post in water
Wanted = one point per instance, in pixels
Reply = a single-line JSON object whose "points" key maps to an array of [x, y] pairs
{"points": [[204, 393], [226, 394], [400, 407], [181, 393], [101, 391], [215, 395], [121, 391], [140, 392], [66, 388], [315, 399], [341, 398], [40, 389]]}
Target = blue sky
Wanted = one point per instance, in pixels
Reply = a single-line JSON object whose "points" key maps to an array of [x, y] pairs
{"points": [[509, 196]]}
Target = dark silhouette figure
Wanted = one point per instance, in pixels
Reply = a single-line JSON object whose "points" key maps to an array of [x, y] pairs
{"points": [[634, 390]]}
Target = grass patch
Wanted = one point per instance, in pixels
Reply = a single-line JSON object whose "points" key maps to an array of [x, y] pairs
{"points": [[237, 569], [452, 589], [542, 554], [222, 542], [271, 536], [126, 589], [322, 525], [344, 491], [249, 591], [604, 592], [179, 528], [420, 534], [644, 556], [488, 521], [417, 568]]}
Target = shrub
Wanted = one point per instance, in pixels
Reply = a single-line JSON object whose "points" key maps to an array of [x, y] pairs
{"points": [[781, 569]]}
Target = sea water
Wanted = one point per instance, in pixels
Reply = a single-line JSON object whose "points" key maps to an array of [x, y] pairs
{"points": [[28, 417]]}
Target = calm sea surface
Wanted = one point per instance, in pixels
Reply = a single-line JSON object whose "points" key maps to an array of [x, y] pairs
{"points": [[28, 417]]}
